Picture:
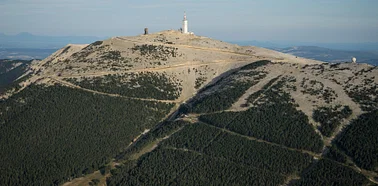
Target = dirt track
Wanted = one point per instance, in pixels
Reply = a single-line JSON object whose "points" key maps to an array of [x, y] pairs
{"points": [[107, 94]]}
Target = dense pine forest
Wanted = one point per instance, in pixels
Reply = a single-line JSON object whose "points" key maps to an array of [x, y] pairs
{"points": [[275, 120], [359, 140], [330, 118], [201, 154], [227, 90], [327, 172], [271, 142], [8, 74], [52, 134], [143, 85]]}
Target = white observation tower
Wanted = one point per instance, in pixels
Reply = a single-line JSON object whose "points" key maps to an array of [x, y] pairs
{"points": [[185, 25]]}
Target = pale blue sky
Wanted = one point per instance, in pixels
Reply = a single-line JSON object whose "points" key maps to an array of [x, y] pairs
{"points": [[272, 20]]}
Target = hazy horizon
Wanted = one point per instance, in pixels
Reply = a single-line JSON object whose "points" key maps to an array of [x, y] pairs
{"points": [[30, 40], [240, 40], [337, 21]]}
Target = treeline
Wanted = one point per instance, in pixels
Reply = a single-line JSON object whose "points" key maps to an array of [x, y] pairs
{"points": [[256, 64], [227, 91], [364, 94], [155, 52], [256, 95], [203, 155], [359, 141], [220, 100], [6, 64], [330, 118], [143, 85], [275, 120], [50, 135], [326, 172], [7, 77], [199, 81]]}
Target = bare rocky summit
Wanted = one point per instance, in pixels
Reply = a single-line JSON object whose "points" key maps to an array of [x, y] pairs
{"points": [[192, 60]]}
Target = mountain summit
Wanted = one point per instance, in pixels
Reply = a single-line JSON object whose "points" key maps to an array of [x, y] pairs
{"points": [[168, 51], [177, 109]]}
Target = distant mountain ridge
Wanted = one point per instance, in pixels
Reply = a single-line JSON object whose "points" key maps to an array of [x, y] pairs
{"points": [[368, 46], [327, 52], [330, 55], [28, 40], [25, 53]]}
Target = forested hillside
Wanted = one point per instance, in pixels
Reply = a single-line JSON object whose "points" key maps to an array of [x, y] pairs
{"points": [[264, 139], [174, 109], [10, 70], [50, 135]]}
